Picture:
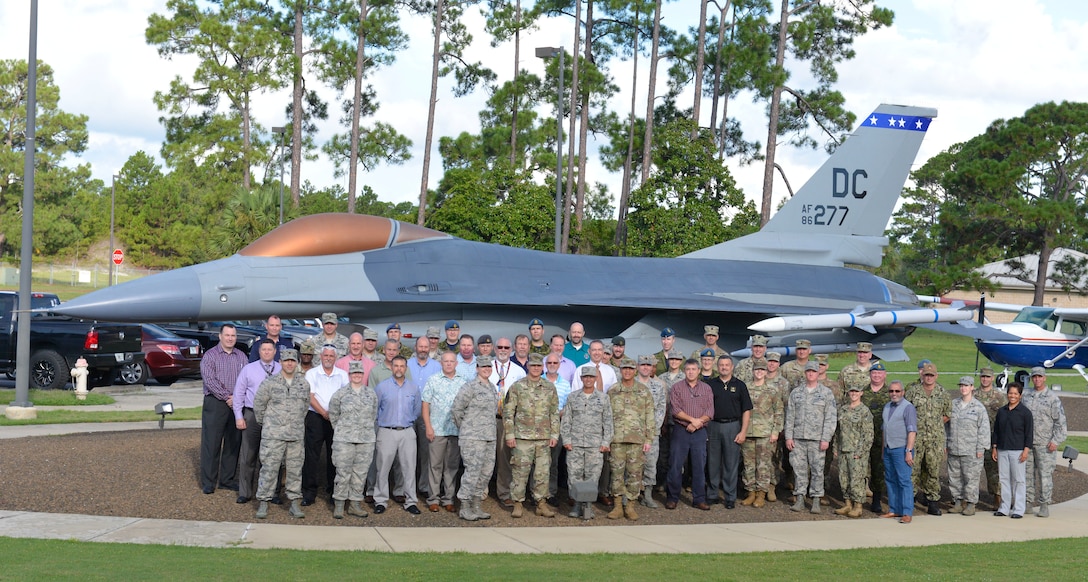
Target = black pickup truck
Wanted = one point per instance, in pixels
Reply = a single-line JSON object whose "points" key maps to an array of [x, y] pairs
{"points": [[56, 343]]}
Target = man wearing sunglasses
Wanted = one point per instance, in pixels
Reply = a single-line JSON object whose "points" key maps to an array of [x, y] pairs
{"points": [[900, 429]]}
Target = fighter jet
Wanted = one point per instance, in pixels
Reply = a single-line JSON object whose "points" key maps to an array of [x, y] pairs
{"points": [[376, 270]]}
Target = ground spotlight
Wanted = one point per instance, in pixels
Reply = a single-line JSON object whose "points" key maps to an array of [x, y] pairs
{"points": [[164, 408], [1071, 454]]}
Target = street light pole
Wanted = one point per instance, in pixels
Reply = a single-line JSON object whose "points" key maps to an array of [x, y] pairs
{"points": [[548, 53], [113, 199], [280, 131]]}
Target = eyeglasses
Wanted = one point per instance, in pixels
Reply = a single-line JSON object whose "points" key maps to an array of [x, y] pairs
{"points": [[895, 391], [552, 363], [502, 347]]}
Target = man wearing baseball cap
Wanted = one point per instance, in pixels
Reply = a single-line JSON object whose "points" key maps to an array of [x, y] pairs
{"points": [[934, 408], [1048, 419], [993, 400]]}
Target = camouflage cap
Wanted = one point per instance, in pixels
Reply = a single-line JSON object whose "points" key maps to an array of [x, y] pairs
{"points": [[929, 369], [483, 361], [774, 357], [588, 371], [536, 359], [878, 367], [644, 359], [986, 372], [967, 381], [668, 332], [369, 334], [291, 354], [307, 347], [821, 359], [1038, 371], [356, 368], [433, 332], [619, 341], [759, 364], [329, 317], [758, 340], [854, 388], [674, 355], [812, 367], [865, 347], [803, 343], [710, 330], [627, 363]]}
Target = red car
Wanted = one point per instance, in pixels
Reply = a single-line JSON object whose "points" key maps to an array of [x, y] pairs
{"points": [[167, 357]]}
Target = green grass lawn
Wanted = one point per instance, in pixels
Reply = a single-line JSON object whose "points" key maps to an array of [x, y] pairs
{"points": [[73, 416], [57, 398], [26, 559]]}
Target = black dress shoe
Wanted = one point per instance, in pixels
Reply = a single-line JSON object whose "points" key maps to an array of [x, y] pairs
{"points": [[208, 490], [229, 487], [410, 509], [398, 498], [1000, 514], [730, 504], [379, 509], [1017, 516], [242, 499], [276, 500], [307, 501], [934, 508]]}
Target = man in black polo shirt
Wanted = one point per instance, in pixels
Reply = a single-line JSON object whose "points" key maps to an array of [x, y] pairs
{"points": [[725, 434]]}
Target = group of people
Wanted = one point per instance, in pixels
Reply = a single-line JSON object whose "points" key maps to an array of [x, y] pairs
{"points": [[438, 420]]}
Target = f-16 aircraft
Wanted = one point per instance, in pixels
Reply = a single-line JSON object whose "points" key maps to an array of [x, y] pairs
{"points": [[376, 271]]}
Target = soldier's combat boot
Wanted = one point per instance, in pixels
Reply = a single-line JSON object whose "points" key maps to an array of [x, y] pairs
{"points": [[957, 507], [262, 510], [760, 499], [587, 511], [1044, 510], [856, 511], [815, 505], [771, 495], [798, 504], [467, 512], [479, 511], [355, 508], [519, 510], [969, 509], [575, 511], [629, 511], [933, 508], [647, 500], [296, 509], [846, 508], [543, 510], [750, 499], [617, 508], [338, 509]]}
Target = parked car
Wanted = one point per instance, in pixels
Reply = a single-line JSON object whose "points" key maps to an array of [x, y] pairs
{"points": [[167, 357], [207, 333]]}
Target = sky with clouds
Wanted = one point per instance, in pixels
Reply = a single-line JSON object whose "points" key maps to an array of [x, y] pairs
{"points": [[973, 60]]}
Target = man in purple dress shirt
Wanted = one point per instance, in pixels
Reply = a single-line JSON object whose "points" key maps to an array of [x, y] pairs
{"points": [[219, 437]]}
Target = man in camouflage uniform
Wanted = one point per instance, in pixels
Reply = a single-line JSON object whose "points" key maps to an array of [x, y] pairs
{"points": [[370, 346], [473, 412], [668, 338], [306, 353], [993, 400], [660, 394], [586, 431], [768, 417], [856, 373], [821, 363], [1048, 419], [616, 352], [672, 375], [453, 337], [530, 419], [329, 335], [794, 370], [537, 343], [968, 438], [280, 407], [743, 371], [710, 335], [393, 332], [434, 337], [874, 397], [854, 440], [353, 411], [633, 425], [810, 421], [934, 408], [780, 459], [921, 375]]}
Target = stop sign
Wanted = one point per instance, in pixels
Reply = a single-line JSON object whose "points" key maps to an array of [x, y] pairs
{"points": [[118, 256]]}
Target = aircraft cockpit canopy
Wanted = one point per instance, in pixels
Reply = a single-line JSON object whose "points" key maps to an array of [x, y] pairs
{"points": [[335, 234]]}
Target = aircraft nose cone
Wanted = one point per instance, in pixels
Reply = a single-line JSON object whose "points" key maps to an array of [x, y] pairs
{"points": [[169, 296]]}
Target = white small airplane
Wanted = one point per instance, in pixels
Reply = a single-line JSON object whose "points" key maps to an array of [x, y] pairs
{"points": [[1051, 337]]}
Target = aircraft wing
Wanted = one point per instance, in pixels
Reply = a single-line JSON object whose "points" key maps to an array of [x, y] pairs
{"points": [[978, 331]]}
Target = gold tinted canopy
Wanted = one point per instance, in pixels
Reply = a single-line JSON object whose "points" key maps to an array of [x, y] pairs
{"points": [[335, 234]]}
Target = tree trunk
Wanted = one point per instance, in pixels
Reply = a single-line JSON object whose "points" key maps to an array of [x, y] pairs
{"points": [[296, 108], [574, 89], [583, 135], [651, 86], [725, 91], [514, 112], [620, 242], [1041, 274], [772, 121], [357, 104], [438, 6], [700, 62], [720, 137], [247, 144]]}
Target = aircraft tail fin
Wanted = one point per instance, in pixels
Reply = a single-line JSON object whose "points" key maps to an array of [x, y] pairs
{"points": [[840, 214]]}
